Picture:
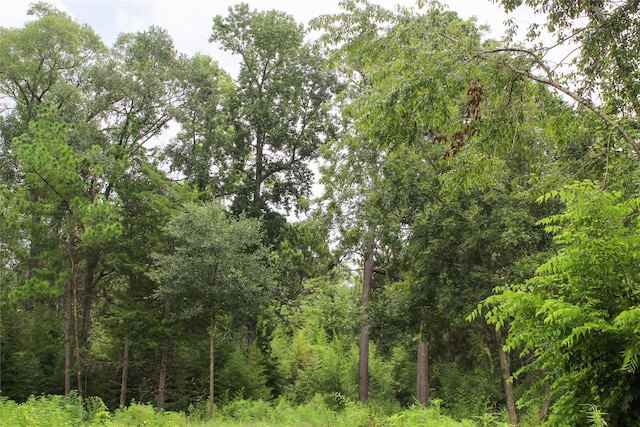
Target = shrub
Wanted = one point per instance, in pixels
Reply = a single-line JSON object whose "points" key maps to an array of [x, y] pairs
{"points": [[145, 415], [54, 411]]}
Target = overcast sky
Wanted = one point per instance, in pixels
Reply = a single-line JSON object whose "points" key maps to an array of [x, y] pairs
{"points": [[189, 21]]}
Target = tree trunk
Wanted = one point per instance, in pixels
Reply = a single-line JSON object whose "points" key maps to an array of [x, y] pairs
{"points": [[422, 380], [35, 247], [257, 190], [363, 362], [211, 360], [544, 409], [74, 282], [67, 339], [87, 300], [506, 380], [363, 365], [164, 355], [125, 373]]}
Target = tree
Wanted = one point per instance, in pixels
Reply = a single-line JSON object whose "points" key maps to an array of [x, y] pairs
{"points": [[131, 322], [603, 45], [112, 102], [353, 161], [215, 266], [48, 60], [576, 320], [282, 116], [449, 173], [53, 173], [405, 93], [204, 148]]}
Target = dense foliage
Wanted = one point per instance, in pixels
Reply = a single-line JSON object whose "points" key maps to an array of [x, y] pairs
{"points": [[471, 258]]}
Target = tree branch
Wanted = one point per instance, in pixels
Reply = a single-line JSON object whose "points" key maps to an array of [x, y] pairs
{"points": [[549, 81]]}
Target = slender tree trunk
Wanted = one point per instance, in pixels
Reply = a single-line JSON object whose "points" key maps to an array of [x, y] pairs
{"points": [[125, 373], [164, 356], [363, 363], [87, 300], [77, 350], [506, 380], [256, 213], [252, 332], [73, 278], [544, 409], [67, 339], [211, 360], [35, 247], [422, 380], [257, 191]]}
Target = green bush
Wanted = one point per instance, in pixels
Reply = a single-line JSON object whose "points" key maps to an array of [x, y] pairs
{"points": [[246, 410], [145, 415], [464, 395], [420, 416], [242, 376], [96, 411], [8, 412], [54, 411]]}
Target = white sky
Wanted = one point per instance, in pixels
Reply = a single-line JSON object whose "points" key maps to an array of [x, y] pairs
{"points": [[189, 21]]}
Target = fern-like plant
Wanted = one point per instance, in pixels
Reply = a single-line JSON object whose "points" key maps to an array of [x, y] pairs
{"points": [[577, 322]]}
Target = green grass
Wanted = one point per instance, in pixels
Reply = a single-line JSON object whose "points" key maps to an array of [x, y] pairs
{"points": [[61, 411]]}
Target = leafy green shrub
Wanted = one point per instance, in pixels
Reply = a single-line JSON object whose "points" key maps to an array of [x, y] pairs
{"points": [[579, 314], [404, 373], [356, 414], [8, 412], [138, 414], [464, 395], [421, 416], [248, 410], [282, 413], [54, 411], [310, 363], [311, 414], [97, 412], [199, 410], [241, 375], [64, 411]]}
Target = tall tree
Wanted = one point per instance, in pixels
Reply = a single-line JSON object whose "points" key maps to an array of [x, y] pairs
{"points": [[48, 60], [136, 91], [132, 321], [446, 182], [353, 161], [204, 150], [53, 173], [282, 116], [112, 102], [216, 265], [390, 107]]}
